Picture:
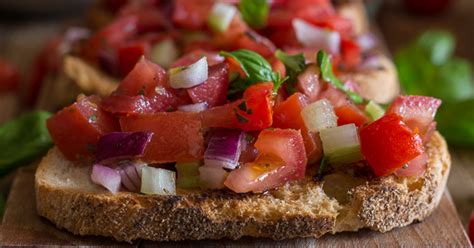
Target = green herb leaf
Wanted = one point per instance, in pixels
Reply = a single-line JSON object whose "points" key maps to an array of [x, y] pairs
{"points": [[327, 74], [437, 45], [254, 12], [294, 65], [456, 122], [255, 67], [23, 139]]}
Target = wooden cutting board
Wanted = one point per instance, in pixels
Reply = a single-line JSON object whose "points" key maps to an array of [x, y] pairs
{"points": [[22, 227]]}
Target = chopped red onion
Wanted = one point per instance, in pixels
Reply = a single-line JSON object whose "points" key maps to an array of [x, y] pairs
{"points": [[130, 173], [197, 107], [371, 62], [120, 145], [366, 41], [316, 37], [223, 150], [107, 177]]}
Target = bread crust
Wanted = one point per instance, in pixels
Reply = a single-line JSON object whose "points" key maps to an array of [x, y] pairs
{"points": [[65, 196]]}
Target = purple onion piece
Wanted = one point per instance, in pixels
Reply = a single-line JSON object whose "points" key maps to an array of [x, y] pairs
{"points": [[370, 62], [224, 148], [367, 41], [127, 182], [122, 145], [129, 172], [107, 177]]}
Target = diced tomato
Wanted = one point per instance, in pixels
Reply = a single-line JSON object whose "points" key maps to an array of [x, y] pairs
{"points": [[334, 22], [351, 53], [192, 57], [253, 41], [77, 128], [288, 115], [109, 37], [335, 96], [302, 4], [414, 168], [150, 18], [192, 14], [417, 112], [281, 158], [147, 91], [349, 113], [252, 112], [129, 53], [9, 77], [309, 83], [388, 144], [206, 45], [278, 66], [177, 135], [214, 90]]}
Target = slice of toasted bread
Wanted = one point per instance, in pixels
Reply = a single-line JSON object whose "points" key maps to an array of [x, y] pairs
{"points": [[307, 208]]}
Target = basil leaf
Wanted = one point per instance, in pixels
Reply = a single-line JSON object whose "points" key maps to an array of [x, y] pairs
{"points": [[255, 67], [254, 12], [327, 74], [456, 122], [23, 139], [437, 45], [452, 81]]}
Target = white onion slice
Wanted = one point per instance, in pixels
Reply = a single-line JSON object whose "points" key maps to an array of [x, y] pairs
{"points": [[189, 76], [164, 53], [157, 181], [319, 115], [107, 177], [197, 107], [221, 16], [212, 177], [341, 144], [316, 37]]}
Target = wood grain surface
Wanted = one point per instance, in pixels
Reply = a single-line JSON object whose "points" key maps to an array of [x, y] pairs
{"points": [[22, 226]]}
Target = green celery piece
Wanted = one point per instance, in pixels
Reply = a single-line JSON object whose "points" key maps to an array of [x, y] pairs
{"points": [[22, 140], [456, 122], [437, 45], [188, 169], [188, 182], [327, 74], [345, 155], [254, 12], [294, 65], [374, 111]]}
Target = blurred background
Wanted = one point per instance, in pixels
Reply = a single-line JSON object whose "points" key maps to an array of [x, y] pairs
{"points": [[430, 40]]}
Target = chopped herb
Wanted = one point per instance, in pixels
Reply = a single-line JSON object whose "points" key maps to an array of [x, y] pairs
{"points": [[240, 118], [249, 111], [249, 138], [91, 148], [243, 106], [294, 65], [405, 166], [169, 109], [141, 92], [327, 74], [256, 69], [254, 12], [93, 118], [322, 167]]}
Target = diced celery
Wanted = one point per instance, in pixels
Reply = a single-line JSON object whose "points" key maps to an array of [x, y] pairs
{"points": [[158, 181], [188, 175], [319, 115], [341, 144], [374, 111], [164, 53], [221, 16]]}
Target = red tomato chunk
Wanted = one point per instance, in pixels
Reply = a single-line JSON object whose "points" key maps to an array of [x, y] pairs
{"points": [[177, 135], [77, 128], [281, 158], [388, 144]]}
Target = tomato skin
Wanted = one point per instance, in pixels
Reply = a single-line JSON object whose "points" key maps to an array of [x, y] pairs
{"points": [[130, 53], [388, 144], [416, 167], [214, 90], [77, 128], [281, 159], [309, 82], [253, 41], [192, 14], [417, 112], [177, 135], [349, 113], [9, 77]]}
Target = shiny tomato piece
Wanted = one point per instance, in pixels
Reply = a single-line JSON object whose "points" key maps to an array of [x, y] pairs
{"points": [[143, 79], [149, 17], [414, 168], [418, 112], [252, 112], [388, 144], [349, 113], [213, 58], [334, 22], [130, 53], [110, 37], [253, 41], [351, 53], [302, 4], [123, 104], [192, 14], [77, 128], [281, 158], [278, 66], [288, 115], [309, 83], [9, 77], [177, 135], [214, 90]]}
